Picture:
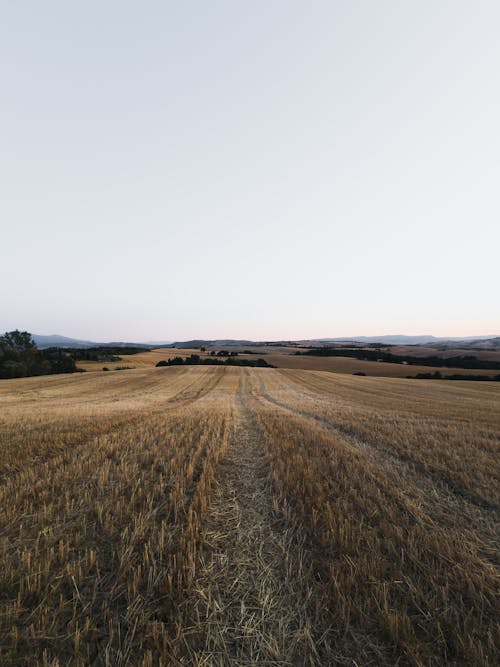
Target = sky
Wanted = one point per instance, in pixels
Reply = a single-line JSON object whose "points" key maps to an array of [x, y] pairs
{"points": [[270, 169]]}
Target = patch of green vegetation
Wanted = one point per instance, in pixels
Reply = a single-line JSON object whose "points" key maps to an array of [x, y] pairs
{"points": [[20, 357]]}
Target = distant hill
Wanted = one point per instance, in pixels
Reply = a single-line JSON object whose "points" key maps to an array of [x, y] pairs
{"points": [[403, 340], [218, 342], [43, 342], [483, 342], [157, 343], [60, 341]]}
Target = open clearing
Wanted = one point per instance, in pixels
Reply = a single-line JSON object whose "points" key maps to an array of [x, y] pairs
{"points": [[233, 516]]}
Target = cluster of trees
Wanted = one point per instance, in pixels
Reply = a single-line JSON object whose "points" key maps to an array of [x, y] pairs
{"points": [[20, 357], [467, 361], [196, 360], [221, 353]]}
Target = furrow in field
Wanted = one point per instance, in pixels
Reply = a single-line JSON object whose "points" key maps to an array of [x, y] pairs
{"points": [[443, 504], [102, 544], [45, 434], [389, 572], [195, 391], [245, 608], [458, 402], [459, 460]]}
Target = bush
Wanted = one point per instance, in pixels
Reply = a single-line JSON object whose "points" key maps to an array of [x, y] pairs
{"points": [[428, 376]]}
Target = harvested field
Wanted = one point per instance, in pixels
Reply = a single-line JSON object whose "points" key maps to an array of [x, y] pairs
{"points": [[371, 368], [424, 351], [234, 516], [286, 358], [140, 360]]}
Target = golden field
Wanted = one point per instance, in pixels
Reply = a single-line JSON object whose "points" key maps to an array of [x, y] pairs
{"points": [[238, 516], [283, 357]]}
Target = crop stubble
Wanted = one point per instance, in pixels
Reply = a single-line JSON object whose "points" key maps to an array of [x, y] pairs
{"points": [[248, 516]]}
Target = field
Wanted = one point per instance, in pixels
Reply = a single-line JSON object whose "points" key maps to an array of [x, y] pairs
{"points": [[285, 357], [233, 516]]}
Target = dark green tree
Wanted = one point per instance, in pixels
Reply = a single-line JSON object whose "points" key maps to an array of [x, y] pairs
{"points": [[18, 354], [20, 341], [19, 357]]}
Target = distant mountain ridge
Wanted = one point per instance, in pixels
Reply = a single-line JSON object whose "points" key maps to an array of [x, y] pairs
{"points": [[56, 340], [400, 339]]}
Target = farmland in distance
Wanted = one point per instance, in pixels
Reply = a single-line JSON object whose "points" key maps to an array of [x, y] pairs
{"points": [[283, 356], [202, 515]]}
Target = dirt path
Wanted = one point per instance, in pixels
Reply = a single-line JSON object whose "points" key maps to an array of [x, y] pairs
{"points": [[244, 611]]}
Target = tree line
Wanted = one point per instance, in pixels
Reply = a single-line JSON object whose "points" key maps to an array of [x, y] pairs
{"points": [[196, 360], [20, 357]]}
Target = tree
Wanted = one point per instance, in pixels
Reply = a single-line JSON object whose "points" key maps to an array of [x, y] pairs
{"points": [[19, 357], [18, 354], [20, 341]]}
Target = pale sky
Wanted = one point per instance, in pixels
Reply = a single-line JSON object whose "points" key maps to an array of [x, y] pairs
{"points": [[270, 169]]}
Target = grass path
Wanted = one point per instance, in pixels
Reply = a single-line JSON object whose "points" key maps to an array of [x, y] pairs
{"points": [[244, 612]]}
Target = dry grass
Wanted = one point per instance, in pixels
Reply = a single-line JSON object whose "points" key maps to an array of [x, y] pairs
{"points": [[140, 360], [99, 532], [371, 368], [283, 357], [213, 516], [448, 432], [399, 566], [424, 351]]}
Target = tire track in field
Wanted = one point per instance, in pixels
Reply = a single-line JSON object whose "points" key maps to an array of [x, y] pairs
{"points": [[113, 425], [448, 506], [189, 395], [242, 611]]}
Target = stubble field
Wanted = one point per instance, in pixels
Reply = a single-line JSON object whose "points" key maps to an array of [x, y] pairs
{"points": [[285, 357], [235, 516]]}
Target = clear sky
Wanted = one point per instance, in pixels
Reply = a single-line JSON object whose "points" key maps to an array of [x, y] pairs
{"points": [[265, 169]]}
